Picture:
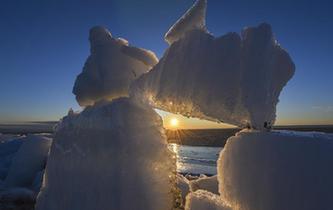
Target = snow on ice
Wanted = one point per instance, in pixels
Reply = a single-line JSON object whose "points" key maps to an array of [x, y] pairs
{"points": [[204, 200], [277, 170], [111, 67], [112, 155], [235, 79]]}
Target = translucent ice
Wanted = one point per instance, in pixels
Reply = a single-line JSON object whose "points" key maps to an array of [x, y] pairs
{"points": [[277, 170], [110, 68], [232, 79], [112, 155]]}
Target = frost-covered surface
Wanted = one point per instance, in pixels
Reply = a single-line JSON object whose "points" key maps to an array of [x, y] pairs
{"points": [[235, 79], [204, 200], [113, 156], [112, 65], [194, 18], [277, 170], [209, 184], [28, 161]]}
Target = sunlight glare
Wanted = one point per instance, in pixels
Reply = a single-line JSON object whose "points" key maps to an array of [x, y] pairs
{"points": [[174, 122]]}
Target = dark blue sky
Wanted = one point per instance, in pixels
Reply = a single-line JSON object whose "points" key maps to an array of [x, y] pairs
{"points": [[44, 44]]}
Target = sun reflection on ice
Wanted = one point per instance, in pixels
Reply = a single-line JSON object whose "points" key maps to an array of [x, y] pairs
{"points": [[175, 149]]}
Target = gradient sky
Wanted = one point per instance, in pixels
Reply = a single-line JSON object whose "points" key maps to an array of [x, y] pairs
{"points": [[44, 44]]}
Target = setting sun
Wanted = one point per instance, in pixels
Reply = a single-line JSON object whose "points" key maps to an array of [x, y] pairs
{"points": [[174, 122]]}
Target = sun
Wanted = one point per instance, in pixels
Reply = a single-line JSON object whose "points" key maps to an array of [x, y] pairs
{"points": [[174, 122]]}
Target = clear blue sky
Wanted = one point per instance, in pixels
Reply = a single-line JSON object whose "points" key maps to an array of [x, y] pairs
{"points": [[44, 44]]}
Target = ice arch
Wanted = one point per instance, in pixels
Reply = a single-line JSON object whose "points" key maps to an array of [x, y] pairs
{"points": [[234, 78]]}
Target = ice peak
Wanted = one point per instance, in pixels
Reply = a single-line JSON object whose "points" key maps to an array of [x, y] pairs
{"points": [[99, 35], [194, 18]]}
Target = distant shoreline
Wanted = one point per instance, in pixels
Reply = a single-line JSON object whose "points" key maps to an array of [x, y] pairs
{"points": [[193, 137]]}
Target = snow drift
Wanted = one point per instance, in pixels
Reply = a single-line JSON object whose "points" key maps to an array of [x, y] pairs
{"points": [[235, 79], [111, 67], [204, 200], [277, 170], [29, 160], [112, 155]]}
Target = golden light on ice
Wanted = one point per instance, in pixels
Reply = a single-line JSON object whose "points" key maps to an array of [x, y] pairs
{"points": [[174, 122]]}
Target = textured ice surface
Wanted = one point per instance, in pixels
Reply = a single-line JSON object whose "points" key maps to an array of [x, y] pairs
{"points": [[112, 156], [209, 184], [277, 170], [194, 18], [232, 79], [235, 79], [8, 147], [204, 200], [110, 68], [28, 161], [183, 185]]}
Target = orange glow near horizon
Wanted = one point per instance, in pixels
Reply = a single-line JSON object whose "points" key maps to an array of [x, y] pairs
{"points": [[174, 122]]}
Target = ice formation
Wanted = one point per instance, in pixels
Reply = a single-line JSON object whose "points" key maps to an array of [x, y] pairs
{"points": [[112, 155], [235, 79], [8, 147], [183, 186], [111, 67], [209, 184], [277, 170], [29, 160], [204, 200], [194, 18]]}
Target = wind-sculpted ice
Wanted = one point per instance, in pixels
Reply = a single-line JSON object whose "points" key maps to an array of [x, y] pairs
{"points": [[194, 18], [112, 155], [110, 68], [234, 79], [277, 170]]}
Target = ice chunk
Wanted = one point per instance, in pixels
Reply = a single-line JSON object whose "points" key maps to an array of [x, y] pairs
{"points": [[8, 147], [110, 68], [183, 185], [194, 18], [232, 79], [29, 159], [112, 155], [277, 170], [204, 200], [209, 184]]}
